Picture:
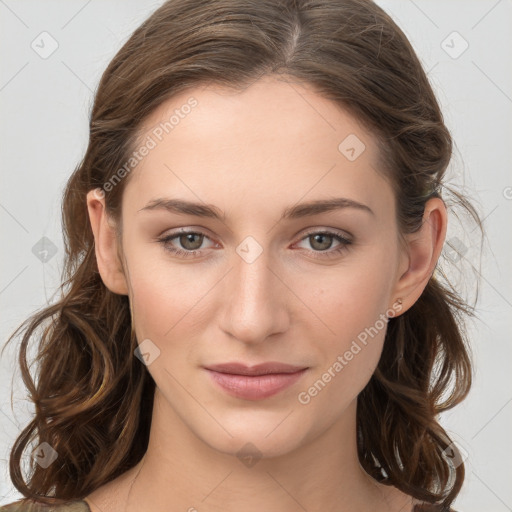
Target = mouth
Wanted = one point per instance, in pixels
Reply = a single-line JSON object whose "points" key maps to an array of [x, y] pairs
{"points": [[255, 382]]}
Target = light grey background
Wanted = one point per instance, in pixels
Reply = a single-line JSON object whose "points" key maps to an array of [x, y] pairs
{"points": [[45, 104]]}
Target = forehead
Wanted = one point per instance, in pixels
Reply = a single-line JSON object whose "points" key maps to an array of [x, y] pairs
{"points": [[271, 105], [274, 139]]}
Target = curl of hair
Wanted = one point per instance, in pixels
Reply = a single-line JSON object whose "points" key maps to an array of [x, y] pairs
{"points": [[93, 398]]}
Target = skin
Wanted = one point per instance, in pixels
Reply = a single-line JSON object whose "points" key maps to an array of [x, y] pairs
{"points": [[252, 154]]}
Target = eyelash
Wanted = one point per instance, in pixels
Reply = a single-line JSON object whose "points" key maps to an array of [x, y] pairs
{"points": [[344, 243]]}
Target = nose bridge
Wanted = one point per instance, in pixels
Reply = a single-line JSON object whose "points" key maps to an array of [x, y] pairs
{"points": [[254, 308]]}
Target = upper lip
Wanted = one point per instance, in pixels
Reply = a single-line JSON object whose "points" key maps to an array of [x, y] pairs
{"points": [[259, 369]]}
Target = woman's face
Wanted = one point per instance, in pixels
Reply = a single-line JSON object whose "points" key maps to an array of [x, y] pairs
{"points": [[262, 275]]}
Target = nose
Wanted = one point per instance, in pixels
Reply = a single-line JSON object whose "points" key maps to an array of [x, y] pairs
{"points": [[255, 300]]}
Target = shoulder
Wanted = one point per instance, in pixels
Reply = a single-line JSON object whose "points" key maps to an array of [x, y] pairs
{"points": [[26, 505]]}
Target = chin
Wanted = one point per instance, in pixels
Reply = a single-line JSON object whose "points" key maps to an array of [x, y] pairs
{"points": [[257, 437]]}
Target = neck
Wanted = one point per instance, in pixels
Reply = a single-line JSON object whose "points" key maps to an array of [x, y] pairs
{"points": [[181, 472]]}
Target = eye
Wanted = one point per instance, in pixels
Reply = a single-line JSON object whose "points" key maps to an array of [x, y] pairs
{"points": [[321, 241], [191, 241]]}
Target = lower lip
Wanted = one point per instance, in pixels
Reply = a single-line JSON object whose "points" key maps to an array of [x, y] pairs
{"points": [[255, 387]]}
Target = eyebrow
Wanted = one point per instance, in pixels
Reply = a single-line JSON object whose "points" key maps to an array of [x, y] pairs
{"points": [[307, 209]]}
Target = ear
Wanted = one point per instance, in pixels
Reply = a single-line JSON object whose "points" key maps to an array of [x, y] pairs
{"points": [[421, 253], [105, 244]]}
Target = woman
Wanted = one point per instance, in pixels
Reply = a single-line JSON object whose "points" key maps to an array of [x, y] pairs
{"points": [[251, 316]]}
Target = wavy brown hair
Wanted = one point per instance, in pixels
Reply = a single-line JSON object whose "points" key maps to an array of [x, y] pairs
{"points": [[93, 398]]}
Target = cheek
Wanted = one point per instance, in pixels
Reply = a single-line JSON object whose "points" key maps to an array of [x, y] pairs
{"points": [[349, 299], [351, 303], [355, 312], [168, 305]]}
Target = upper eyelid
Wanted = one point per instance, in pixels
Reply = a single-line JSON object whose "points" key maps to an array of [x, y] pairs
{"points": [[331, 231], [309, 232]]}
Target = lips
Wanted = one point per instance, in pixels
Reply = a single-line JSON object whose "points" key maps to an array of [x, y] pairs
{"points": [[259, 369], [255, 382]]}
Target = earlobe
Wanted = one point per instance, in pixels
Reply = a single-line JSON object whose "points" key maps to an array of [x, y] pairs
{"points": [[423, 250], [105, 245]]}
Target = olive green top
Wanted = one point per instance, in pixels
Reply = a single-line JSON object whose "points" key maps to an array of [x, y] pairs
{"points": [[25, 505], [82, 506]]}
